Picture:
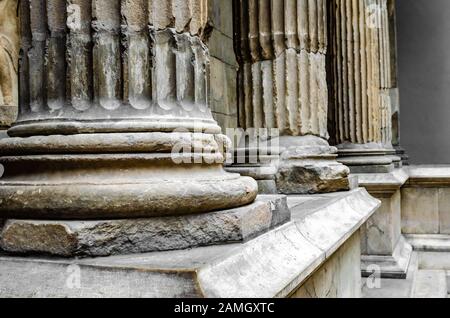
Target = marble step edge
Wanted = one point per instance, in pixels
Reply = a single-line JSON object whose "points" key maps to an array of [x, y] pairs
{"points": [[274, 264], [127, 236]]}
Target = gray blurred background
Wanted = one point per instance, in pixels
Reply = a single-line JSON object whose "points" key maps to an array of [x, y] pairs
{"points": [[424, 79]]}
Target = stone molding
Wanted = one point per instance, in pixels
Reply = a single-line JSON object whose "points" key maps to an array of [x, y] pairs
{"points": [[362, 72], [282, 49]]}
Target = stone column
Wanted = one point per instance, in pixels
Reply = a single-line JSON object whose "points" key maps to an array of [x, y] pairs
{"points": [[393, 89], [9, 58], [363, 77], [283, 86], [363, 88], [114, 119]]}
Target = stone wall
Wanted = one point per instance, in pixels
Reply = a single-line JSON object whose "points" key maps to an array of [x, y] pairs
{"points": [[423, 46], [223, 95], [426, 201]]}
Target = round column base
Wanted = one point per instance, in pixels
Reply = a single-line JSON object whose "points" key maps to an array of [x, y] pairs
{"points": [[308, 165], [110, 185]]}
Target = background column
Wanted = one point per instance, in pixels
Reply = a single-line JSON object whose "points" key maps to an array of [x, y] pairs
{"points": [[283, 86], [114, 119], [364, 96]]}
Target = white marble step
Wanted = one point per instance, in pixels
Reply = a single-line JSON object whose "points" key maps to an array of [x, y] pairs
{"points": [[430, 284]]}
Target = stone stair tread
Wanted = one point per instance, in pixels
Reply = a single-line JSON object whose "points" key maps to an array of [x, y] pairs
{"points": [[430, 284], [395, 288]]}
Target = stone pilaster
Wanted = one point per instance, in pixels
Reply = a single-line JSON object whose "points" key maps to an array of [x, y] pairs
{"points": [[364, 97], [114, 120], [9, 58], [283, 86]]}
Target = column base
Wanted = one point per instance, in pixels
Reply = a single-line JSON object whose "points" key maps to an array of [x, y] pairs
{"points": [[369, 158], [264, 176], [308, 165], [393, 266], [113, 176], [430, 242], [257, 158], [400, 152], [133, 236], [385, 246]]}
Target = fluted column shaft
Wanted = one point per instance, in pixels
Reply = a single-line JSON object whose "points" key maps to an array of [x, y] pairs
{"points": [[282, 49], [362, 74], [106, 61], [114, 119], [9, 57], [363, 95], [364, 91]]}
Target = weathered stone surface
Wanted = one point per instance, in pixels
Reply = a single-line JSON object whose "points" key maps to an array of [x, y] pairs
{"points": [[119, 186], [308, 165], [391, 287], [160, 82], [116, 138], [263, 174], [9, 59], [430, 284], [435, 260], [223, 89], [382, 231], [110, 237], [303, 176], [2, 223], [444, 211], [368, 158], [283, 85], [272, 265], [220, 15], [338, 277], [221, 48], [426, 207], [364, 90], [420, 211], [3, 134], [383, 184]]}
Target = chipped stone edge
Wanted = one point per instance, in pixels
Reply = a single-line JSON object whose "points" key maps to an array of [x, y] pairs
{"points": [[270, 211]]}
